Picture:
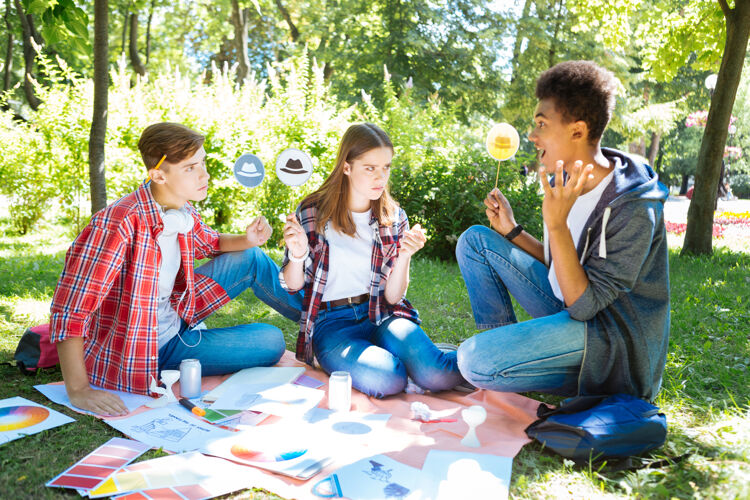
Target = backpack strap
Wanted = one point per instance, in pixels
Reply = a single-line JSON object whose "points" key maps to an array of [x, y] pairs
{"points": [[570, 405]]}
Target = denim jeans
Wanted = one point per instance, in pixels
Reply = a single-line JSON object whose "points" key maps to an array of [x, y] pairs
{"points": [[227, 350], [543, 354], [379, 358]]}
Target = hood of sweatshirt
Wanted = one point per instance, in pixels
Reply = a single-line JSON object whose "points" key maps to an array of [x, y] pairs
{"points": [[632, 181]]}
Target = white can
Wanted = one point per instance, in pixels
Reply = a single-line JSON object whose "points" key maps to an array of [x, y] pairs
{"points": [[340, 391], [190, 378]]}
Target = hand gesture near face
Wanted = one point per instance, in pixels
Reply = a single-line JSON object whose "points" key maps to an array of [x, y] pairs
{"points": [[499, 212], [412, 241], [559, 200], [258, 231], [295, 237]]}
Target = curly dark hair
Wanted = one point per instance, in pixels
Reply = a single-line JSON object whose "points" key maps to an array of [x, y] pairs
{"points": [[581, 90]]}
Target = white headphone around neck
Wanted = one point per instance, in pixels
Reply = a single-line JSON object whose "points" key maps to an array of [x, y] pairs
{"points": [[177, 221]]}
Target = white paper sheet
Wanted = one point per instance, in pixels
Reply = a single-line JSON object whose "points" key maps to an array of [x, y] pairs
{"points": [[20, 417], [346, 425], [285, 447], [447, 475], [268, 376], [380, 477], [172, 428], [56, 393], [287, 400]]}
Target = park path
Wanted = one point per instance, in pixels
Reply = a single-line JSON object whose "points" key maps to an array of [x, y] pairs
{"points": [[676, 208]]}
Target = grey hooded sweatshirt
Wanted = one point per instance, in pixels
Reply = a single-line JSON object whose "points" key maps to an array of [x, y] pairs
{"points": [[623, 250]]}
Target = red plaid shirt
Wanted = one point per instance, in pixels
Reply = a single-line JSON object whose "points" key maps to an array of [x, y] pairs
{"points": [[385, 247], [108, 290]]}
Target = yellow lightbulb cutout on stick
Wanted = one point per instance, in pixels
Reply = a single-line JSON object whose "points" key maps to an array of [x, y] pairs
{"points": [[502, 143]]}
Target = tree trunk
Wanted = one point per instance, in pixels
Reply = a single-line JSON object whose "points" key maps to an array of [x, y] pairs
{"points": [[553, 43], [240, 23], [293, 31], [29, 55], [97, 179], [124, 34], [653, 148], [684, 185], [519, 41], [135, 59], [9, 49], [700, 214], [148, 30]]}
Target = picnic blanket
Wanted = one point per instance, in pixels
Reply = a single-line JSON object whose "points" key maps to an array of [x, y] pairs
{"points": [[408, 441]]}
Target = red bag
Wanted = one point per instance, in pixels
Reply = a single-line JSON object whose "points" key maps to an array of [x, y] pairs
{"points": [[35, 350]]}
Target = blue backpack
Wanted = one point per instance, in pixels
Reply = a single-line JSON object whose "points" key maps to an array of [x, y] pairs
{"points": [[600, 427]]}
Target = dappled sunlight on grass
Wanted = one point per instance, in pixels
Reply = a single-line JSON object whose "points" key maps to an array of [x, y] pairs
{"points": [[704, 393], [30, 310]]}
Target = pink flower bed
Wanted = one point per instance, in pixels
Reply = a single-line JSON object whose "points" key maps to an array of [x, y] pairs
{"points": [[680, 227], [722, 220]]}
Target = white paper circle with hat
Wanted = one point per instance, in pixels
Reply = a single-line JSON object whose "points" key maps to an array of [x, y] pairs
{"points": [[249, 171], [294, 167]]}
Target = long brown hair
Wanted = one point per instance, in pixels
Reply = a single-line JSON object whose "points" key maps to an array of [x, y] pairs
{"points": [[332, 198]]}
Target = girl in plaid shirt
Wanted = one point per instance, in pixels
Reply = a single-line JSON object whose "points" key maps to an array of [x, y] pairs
{"points": [[349, 247]]}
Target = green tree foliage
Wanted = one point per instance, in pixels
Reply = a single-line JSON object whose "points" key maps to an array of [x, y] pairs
{"points": [[441, 172]]}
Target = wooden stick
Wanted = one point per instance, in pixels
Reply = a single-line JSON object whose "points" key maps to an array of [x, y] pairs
{"points": [[497, 175]]}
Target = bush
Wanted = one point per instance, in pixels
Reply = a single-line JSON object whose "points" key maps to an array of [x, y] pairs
{"points": [[741, 186], [440, 175], [448, 197]]}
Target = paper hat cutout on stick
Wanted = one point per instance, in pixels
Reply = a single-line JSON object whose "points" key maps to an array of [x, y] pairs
{"points": [[502, 141], [294, 167], [249, 171]]}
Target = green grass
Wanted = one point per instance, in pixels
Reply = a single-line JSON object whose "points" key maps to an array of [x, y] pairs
{"points": [[705, 393]]}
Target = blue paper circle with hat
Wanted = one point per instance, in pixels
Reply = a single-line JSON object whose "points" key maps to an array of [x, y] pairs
{"points": [[249, 171]]}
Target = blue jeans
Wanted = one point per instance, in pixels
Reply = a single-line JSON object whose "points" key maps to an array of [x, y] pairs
{"points": [[379, 358], [543, 354], [227, 350]]}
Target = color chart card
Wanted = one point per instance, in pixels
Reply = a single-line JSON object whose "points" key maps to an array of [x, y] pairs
{"points": [[20, 417], [97, 466], [189, 475]]}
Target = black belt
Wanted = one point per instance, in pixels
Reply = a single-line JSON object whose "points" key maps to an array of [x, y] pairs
{"points": [[359, 299]]}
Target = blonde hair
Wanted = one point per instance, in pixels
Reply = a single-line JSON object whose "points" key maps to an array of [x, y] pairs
{"points": [[332, 198]]}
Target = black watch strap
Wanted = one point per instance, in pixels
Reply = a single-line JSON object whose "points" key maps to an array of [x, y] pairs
{"points": [[514, 232]]}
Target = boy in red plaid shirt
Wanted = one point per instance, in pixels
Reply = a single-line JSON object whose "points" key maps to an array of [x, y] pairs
{"points": [[129, 302]]}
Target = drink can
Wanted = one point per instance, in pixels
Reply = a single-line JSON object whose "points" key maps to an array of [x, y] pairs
{"points": [[340, 391], [190, 378]]}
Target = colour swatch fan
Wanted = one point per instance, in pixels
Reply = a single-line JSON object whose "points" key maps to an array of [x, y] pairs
{"points": [[20, 417]]}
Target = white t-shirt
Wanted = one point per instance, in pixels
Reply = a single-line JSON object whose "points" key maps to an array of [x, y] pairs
{"points": [[349, 259], [579, 214], [169, 320]]}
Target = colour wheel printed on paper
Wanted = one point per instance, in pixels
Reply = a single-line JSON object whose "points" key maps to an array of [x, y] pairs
{"points": [[242, 451], [18, 417]]}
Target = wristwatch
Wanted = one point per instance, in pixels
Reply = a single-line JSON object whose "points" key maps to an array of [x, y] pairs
{"points": [[514, 232]]}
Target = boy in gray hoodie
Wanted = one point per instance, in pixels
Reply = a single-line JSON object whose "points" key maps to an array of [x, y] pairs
{"points": [[598, 286]]}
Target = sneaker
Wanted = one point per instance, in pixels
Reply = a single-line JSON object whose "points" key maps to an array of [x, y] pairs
{"points": [[446, 347], [463, 386], [412, 387]]}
